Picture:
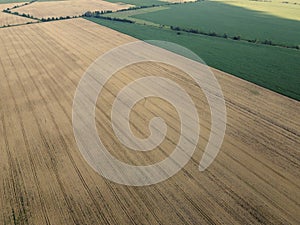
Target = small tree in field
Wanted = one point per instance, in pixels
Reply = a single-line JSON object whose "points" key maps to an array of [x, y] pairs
{"points": [[88, 14], [237, 38]]}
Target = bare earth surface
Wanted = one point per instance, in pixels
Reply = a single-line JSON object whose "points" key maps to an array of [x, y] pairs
{"points": [[44, 179], [9, 19], [10, 5], [67, 8]]}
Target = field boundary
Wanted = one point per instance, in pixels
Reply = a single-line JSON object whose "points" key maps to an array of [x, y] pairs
{"points": [[126, 15]]}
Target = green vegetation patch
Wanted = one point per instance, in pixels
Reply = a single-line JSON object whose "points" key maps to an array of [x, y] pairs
{"points": [[129, 13], [227, 19]]}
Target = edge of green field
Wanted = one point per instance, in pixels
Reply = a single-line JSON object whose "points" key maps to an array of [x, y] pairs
{"points": [[274, 68], [139, 2]]}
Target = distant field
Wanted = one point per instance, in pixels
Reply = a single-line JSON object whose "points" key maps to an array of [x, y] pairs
{"points": [[130, 13], [179, 1], [139, 2], [16, 1], [9, 19], [227, 19], [11, 1], [67, 8], [9, 5], [285, 9], [272, 67]]}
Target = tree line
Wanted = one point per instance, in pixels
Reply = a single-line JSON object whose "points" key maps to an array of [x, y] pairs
{"points": [[99, 14], [236, 37]]}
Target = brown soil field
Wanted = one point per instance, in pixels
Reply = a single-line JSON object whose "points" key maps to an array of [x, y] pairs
{"points": [[9, 19], [67, 8], [44, 179], [10, 5]]}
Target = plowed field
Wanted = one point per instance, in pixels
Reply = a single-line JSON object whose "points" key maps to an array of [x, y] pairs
{"points": [[45, 180]]}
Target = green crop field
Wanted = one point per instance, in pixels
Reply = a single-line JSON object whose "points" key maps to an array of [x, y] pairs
{"points": [[227, 19], [275, 68], [130, 13]]}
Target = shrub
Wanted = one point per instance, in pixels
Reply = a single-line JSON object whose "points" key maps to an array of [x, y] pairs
{"points": [[213, 34], [237, 38], [88, 14]]}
